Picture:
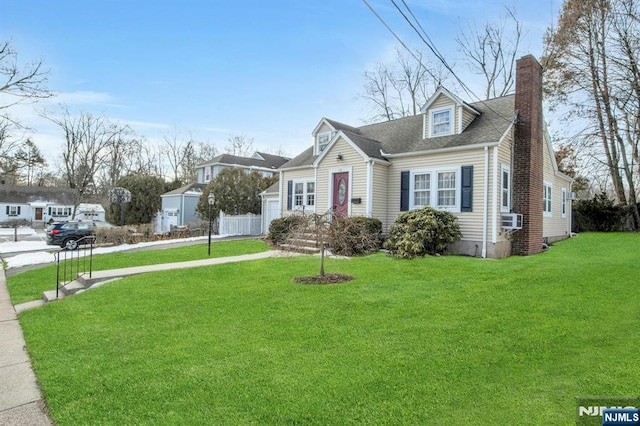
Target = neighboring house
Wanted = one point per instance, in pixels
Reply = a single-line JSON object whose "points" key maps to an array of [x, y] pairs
{"points": [[179, 206], [490, 163], [267, 164], [40, 205]]}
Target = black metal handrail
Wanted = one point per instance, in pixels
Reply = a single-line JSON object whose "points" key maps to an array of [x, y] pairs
{"points": [[68, 262]]}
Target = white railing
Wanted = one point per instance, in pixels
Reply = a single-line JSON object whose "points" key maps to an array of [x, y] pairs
{"points": [[247, 224]]}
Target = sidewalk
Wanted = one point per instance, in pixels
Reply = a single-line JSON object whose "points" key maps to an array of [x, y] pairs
{"points": [[21, 402]]}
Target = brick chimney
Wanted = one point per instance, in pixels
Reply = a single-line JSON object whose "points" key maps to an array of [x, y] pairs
{"points": [[528, 157]]}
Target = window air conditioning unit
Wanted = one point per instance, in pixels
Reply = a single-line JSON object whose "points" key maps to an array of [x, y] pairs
{"points": [[571, 196], [511, 221]]}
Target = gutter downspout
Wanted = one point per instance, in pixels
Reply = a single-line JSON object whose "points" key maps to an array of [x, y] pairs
{"points": [[369, 212], [494, 210], [485, 213]]}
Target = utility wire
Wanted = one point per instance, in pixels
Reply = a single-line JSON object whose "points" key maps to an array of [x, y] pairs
{"points": [[429, 43]]}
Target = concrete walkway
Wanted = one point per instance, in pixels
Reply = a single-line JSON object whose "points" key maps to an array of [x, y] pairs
{"points": [[21, 401]]}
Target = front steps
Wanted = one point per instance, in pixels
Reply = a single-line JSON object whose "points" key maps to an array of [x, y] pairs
{"points": [[67, 289]]}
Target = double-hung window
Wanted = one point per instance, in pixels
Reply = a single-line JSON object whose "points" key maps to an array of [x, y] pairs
{"points": [[13, 210], [546, 199], [304, 194], [564, 203], [442, 122], [422, 189], [505, 190], [436, 188], [446, 189]]}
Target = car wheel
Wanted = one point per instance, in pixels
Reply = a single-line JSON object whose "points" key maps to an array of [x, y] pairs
{"points": [[70, 244]]}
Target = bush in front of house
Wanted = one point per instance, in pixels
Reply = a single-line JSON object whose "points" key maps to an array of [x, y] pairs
{"points": [[353, 236], [422, 231], [280, 228]]}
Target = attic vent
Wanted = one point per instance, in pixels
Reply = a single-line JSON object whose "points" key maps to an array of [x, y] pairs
{"points": [[511, 221]]}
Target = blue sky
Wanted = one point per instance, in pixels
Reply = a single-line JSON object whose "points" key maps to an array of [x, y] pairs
{"points": [[266, 69]]}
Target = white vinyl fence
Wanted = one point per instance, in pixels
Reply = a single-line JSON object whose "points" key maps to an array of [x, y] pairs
{"points": [[247, 224]]}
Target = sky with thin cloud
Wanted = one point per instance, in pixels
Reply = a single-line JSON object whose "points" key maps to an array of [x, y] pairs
{"points": [[269, 70]]}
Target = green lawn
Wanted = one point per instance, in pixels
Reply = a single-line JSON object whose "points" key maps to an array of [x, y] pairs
{"points": [[440, 340], [29, 285]]}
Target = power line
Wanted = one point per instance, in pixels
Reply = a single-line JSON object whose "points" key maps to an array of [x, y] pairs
{"points": [[429, 43]]}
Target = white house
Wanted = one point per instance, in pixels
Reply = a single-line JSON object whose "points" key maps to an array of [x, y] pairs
{"points": [[490, 163]]}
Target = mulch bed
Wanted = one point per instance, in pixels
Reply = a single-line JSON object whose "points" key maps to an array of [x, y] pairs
{"points": [[326, 279]]}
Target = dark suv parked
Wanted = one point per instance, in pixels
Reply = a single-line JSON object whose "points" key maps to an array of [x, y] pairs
{"points": [[67, 234]]}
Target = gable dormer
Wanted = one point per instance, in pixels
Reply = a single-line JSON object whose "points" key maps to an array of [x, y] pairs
{"points": [[322, 135], [446, 114]]}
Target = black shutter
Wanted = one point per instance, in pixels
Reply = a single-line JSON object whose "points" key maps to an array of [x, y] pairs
{"points": [[18, 210], [289, 194], [7, 209], [466, 200], [49, 211], [404, 191]]}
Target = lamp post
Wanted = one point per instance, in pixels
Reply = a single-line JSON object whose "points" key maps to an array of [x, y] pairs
{"points": [[210, 199]]}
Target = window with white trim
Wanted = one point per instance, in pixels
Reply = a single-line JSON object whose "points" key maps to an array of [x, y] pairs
{"points": [[505, 190], [446, 189], [59, 211], [546, 199], [304, 194], [564, 203], [422, 190], [311, 193], [441, 122], [323, 140], [436, 188], [13, 210]]}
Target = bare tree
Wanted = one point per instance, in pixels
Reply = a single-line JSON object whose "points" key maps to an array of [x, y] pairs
{"points": [[119, 157], [88, 141], [20, 84], [399, 89], [592, 66], [174, 153], [240, 145], [491, 50]]}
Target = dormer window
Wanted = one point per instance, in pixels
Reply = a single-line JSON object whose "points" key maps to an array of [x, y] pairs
{"points": [[441, 122], [323, 140]]}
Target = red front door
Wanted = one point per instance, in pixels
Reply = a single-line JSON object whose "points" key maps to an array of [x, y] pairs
{"points": [[341, 194]]}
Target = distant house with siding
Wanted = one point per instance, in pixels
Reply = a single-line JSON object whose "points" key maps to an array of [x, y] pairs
{"points": [[39, 205]]}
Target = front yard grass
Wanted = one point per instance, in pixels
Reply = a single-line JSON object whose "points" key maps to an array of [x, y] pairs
{"points": [[30, 285], [439, 340]]}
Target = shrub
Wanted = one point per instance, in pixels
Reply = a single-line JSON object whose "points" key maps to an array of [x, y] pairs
{"points": [[599, 213], [353, 236], [280, 228], [418, 232]]}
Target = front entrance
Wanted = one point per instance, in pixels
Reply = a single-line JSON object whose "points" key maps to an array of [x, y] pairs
{"points": [[38, 213], [341, 194]]}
